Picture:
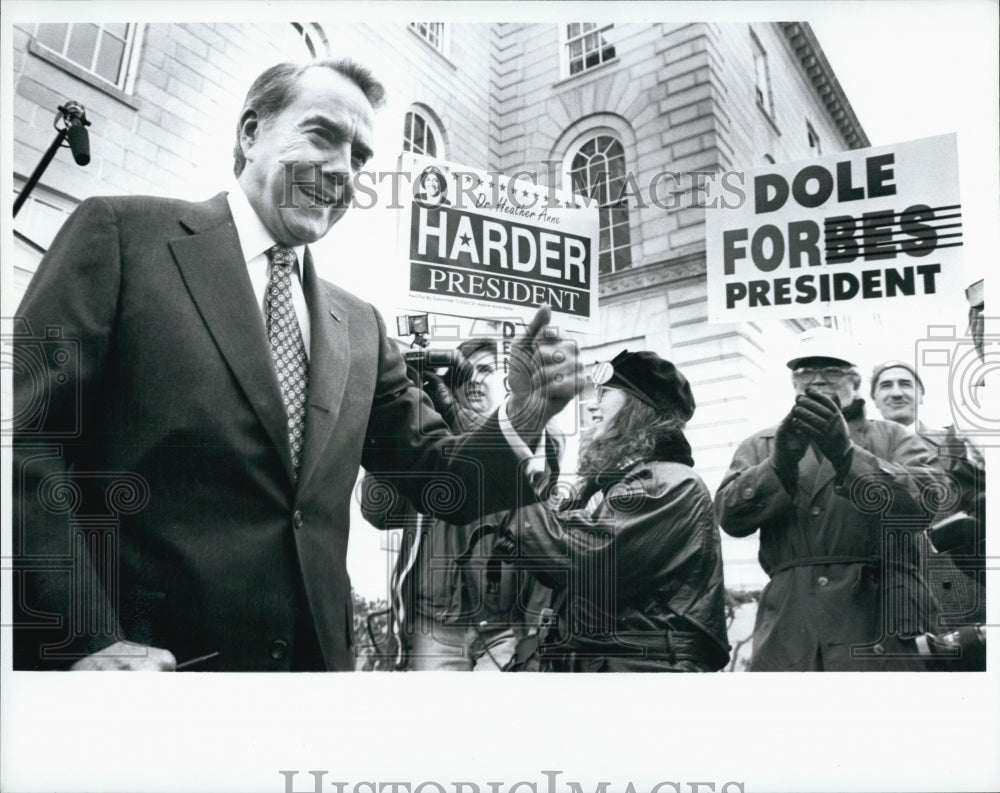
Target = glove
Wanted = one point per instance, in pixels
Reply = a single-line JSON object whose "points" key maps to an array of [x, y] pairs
{"points": [[440, 397], [458, 417], [818, 417], [789, 447]]}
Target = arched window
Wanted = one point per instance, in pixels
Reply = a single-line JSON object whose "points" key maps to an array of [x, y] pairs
{"points": [[313, 38], [598, 172], [421, 135]]}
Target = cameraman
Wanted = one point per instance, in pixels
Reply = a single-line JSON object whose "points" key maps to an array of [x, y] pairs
{"points": [[454, 606]]}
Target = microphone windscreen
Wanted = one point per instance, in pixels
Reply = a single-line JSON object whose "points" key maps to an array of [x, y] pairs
{"points": [[79, 143]]}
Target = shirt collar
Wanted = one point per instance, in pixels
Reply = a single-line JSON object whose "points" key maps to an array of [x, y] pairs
{"points": [[254, 237]]}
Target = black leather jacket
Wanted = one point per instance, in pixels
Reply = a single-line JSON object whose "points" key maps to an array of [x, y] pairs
{"points": [[637, 574]]}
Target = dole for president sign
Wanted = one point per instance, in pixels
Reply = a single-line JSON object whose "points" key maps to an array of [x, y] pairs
{"points": [[854, 232], [478, 243]]}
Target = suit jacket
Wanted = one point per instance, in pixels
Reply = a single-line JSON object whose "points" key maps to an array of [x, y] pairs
{"points": [[155, 500]]}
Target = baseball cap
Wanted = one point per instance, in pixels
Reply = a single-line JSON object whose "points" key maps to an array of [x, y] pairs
{"points": [[821, 342]]}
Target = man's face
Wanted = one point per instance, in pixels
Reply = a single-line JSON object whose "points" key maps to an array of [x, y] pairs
{"points": [[829, 376], [897, 396], [482, 391], [328, 120]]}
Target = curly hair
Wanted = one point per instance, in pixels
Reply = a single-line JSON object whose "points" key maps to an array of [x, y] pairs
{"points": [[633, 434]]}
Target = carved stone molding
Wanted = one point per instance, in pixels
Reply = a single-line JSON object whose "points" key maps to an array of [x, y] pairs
{"points": [[651, 276]]}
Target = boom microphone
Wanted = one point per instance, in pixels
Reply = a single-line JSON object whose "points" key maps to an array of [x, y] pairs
{"points": [[75, 118], [79, 142]]}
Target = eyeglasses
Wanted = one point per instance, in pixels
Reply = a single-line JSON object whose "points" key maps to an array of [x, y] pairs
{"points": [[831, 374], [598, 392]]}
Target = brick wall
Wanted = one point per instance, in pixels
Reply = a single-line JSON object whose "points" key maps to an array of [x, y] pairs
{"points": [[179, 119], [680, 97]]}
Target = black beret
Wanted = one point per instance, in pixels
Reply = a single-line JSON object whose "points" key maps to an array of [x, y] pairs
{"points": [[648, 377]]}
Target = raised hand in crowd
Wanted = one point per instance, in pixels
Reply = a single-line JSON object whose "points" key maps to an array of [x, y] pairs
{"points": [[818, 417], [545, 374], [789, 447]]}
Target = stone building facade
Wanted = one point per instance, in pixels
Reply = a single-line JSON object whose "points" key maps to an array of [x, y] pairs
{"points": [[671, 105]]}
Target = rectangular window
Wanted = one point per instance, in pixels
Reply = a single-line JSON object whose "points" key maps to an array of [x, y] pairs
{"points": [[434, 33], [587, 46], [35, 226], [813, 139], [104, 50], [762, 77]]}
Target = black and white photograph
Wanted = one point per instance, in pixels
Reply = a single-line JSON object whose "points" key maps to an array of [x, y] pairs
{"points": [[343, 352]]}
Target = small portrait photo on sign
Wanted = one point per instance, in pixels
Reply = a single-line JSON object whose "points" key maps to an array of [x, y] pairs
{"points": [[431, 188]]}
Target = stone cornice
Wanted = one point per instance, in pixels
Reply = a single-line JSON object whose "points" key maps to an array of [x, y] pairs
{"points": [[651, 276], [819, 71]]}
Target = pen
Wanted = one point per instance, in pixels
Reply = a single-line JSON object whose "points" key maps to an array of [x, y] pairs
{"points": [[193, 661]]}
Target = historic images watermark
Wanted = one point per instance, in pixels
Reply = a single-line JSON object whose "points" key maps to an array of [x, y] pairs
{"points": [[967, 360], [664, 189], [317, 782]]}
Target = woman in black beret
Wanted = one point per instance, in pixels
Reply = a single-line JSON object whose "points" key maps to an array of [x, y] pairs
{"points": [[633, 554]]}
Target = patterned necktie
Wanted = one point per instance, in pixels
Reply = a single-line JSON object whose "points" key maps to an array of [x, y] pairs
{"points": [[287, 347]]}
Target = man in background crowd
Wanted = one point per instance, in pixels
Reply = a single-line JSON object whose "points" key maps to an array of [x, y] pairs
{"points": [[837, 499], [954, 546], [897, 391], [454, 606]]}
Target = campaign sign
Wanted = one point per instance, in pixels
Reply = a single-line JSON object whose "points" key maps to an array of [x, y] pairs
{"points": [[855, 232], [478, 243]]}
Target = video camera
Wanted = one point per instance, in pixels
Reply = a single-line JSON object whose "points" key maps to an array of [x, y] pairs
{"points": [[966, 646], [421, 355], [431, 358]]}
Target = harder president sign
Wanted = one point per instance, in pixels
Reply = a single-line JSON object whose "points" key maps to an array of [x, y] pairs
{"points": [[854, 232], [478, 243]]}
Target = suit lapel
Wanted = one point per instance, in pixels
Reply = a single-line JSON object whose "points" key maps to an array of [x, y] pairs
{"points": [[329, 360], [215, 274]]}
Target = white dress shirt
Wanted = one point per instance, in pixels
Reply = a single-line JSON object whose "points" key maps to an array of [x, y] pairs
{"points": [[534, 462], [255, 240]]}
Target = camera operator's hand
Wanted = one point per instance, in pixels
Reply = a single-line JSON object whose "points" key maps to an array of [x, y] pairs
{"points": [[440, 396], [458, 417], [818, 417], [545, 374], [126, 656], [789, 447]]}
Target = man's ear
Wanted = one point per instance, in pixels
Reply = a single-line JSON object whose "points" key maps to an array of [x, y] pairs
{"points": [[249, 128]]}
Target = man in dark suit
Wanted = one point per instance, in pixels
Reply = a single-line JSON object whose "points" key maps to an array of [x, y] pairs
{"points": [[196, 403]]}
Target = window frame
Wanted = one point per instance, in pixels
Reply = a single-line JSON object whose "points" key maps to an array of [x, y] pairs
{"points": [[130, 56], [763, 99], [443, 44], [432, 126], [812, 137], [30, 245], [605, 210], [313, 38], [564, 44]]}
